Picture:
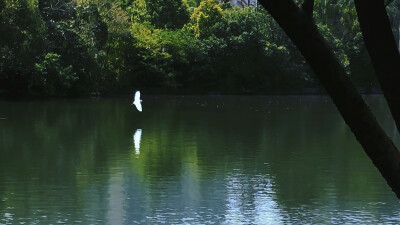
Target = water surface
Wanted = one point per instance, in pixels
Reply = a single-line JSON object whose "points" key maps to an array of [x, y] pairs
{"points": [[200, 160]]}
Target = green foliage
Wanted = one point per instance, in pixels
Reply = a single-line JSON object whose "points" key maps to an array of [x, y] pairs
{"points": [[56, 10], [172, 14], [163, 54], [20, 43], [51, 77], [139, 12], [191, 3], [63, 47], [335, 43], [90, 26], [337, 21], [205, 17]]}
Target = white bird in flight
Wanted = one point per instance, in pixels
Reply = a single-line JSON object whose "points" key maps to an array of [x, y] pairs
{"points": [[137, 101]]}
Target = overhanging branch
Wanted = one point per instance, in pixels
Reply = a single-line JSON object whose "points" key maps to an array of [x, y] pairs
{"points": [[308, 7], [305, 35], [382, 48]]}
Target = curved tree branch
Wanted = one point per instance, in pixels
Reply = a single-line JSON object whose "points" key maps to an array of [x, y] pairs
{"points": [[382, 49], [308, 7], [305, 35]]}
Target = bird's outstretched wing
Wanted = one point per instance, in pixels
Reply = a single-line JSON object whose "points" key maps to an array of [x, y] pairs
{"points": [[138, 105], [137, 96], [137, 101]]}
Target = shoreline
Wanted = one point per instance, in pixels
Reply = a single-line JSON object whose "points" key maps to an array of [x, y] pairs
{"points": [[150, 91]]}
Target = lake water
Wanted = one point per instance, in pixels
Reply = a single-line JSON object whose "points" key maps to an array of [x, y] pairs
{"points": [[200, 160]]}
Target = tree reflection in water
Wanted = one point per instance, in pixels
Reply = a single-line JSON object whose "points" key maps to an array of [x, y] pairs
{"points": [[293, 160]]}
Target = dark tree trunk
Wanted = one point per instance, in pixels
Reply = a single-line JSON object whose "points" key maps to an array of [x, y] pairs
{"points": [[382, 48], [397, 32], [308, 7], [394, 21], [305, 35]]}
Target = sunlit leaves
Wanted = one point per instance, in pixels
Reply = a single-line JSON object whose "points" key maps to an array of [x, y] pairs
{"points": [[51, 77], [168, 44], [91, 28], [172, 14], [205, 17]]}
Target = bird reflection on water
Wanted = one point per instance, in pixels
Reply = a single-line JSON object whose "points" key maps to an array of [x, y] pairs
{"points": [[136, 140]]}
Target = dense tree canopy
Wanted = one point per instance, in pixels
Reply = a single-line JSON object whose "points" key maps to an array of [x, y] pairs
{"points": [[113, 46], [171, 14]]}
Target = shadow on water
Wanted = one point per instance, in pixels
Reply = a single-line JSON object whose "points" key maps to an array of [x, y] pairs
{"points": [[188, 159]]}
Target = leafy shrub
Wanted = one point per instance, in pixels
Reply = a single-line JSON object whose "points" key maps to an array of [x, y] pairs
{"points": [[51, 77]]}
